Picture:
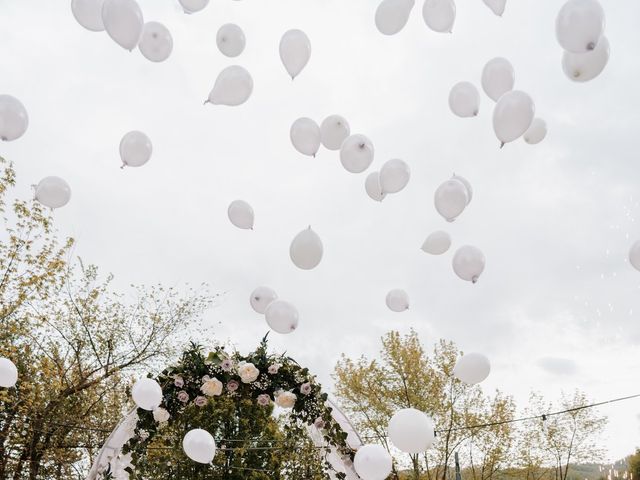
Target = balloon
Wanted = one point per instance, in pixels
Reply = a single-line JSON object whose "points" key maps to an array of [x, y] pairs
{"points": [[372, 462], [498, 78], [439, 15], [53, 192], [467, 186], [123, 22], [411, 430], [437, 243], [333, 131], [306, 249], [512, 116], [14, 119], [199, 445], [230, 40], [8, 373], [472, 368], [464, 100], [193, 6], [156, 42], [496, 6], [135, 149], [295, 51], [397, 300], [233, 87], [536, 132], [373, 188], [450, 199], [305, 136], [241, 214], [281, 316], [88, 13], [579, 25], [582, 67], [634, 255], [392, 15], [261, 298], [468, 263], [147, 394], [356, 153], [394, 176]]}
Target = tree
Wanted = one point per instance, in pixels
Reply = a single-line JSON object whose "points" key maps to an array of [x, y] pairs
{"points": [[633, 463]]}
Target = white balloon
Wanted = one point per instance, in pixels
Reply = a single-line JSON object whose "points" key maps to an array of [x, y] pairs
{"points": [[439, 15], [411, 431], [498, 78], [123, 22], [467, 186], [579, 25], [156, 43], [306, 249], [582, 67], [8, 373], [512, 116], [472, 368], [437, 243], [372, 462], [261, 298], [468, 263], [305, 136], [464, 100], [199, 445], [53, 192], [373, 188], [397, 300], [295, 51], [230, 40], [450, 199], [241, 214], [282, 317], [536, 132], [135, 149], [333, 131], [392, 15], [14, 119], [193, 6], [394, 176], [233, 87], [147, 394], [496, 6], [88, 13], [634, 255], [356, 153]]}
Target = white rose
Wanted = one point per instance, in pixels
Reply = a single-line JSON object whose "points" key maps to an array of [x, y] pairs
{"points": [[211, 387], [286, 400], [248, 372], [160, 415]]}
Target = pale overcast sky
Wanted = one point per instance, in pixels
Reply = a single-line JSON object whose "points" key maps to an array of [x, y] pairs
{"points": [[558, 304]]}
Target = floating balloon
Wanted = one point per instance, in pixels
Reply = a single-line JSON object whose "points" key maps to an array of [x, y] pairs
{"points": [[261, 298], [295, 51], [193, 6], [450, 199], [536, 132], [468, 263], [392, 15], [472, 368], [8, 373], [467, 186], [439, 15], [281, 316], [634, 255], [233, 87], [305, 136], [147, 394], [496, 6], [498, 78], [356, 153], [372, 462], [123, 22], [88, 13], [241, 214], [411, 431], [582, 67], [333, 131], [397, 300], [199, 445], [373, 188], [437, 243], [579, 25], [135, 149], [230, 40], [13, 118], [53, 192], [306, 249], [156, 42], [464, 100], [512, 116], [394, 176]]}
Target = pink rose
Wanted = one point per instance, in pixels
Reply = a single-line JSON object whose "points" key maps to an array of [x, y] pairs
{"points": [[183, 396], [264, 400], [319, 423], [273, 369], [226, 365], [200, 401], [233, 385], [305, 388], [178, 382]]}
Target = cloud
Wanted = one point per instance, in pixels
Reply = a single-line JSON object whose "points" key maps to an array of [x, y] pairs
{"points": [[558, 366]]}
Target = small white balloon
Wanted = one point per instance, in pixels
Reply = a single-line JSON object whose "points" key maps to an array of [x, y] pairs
{"points": [[372, 462], [411, 431], [147, 394], [397, 300], [295, 51], [437, 243], [450, 199], [88, 13], [306, 249], [394, 176], [233, 87], [333, 131], [135, 149], [156, 43], [123, 22], [512, 116], [241, 214], [392, 15], [467, 186], [472, 368], [496, 6], [8, 373], [305, 136], [579, 25], [282, 317], [199, 446], [230, 40], [261, 298], [582, 67], [468, 263], [193, 6], [439, 15], [464, 100], [498, 78], [373, 188], [536, 132], [14, 119], [356, 153], [53, 192], [634, 255]]}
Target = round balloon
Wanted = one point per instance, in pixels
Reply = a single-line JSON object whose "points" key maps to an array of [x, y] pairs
{"points": [[333, 131], [464, 100], [394, 176], [512, 116], [472, 368], [193, 6], [536, 132], [8, 373], [147, 394], [450, 199], [397, 300], [496, 6], [135, 149], [282, 317], [439, 15], [411, 431], [373, 188], [306, 249], [467, 186], [392, 15], [88, 13], [199, 445], [579, 25], [156, 42], [241, 214], [123, 22], [305, 136], [372, 462], [437, 243], [582, 67], [468, 263], [261, 298], [53, 192], [356, 153], [233, 87], [13, 118], [498, 78], [230, 40], [295, 51], [634, 255]]}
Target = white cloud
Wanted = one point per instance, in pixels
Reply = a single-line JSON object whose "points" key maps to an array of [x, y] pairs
{"points": [[558, 366]]}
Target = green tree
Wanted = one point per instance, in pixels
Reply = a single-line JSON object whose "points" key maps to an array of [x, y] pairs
{"points": [[633, 463]]}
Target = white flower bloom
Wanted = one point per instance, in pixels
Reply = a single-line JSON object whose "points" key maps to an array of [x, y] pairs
{"points": [[160, 415], [286, 400], [248, 372], [212, 387]]}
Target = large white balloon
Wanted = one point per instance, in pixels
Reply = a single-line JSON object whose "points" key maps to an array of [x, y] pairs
{"points": [[634, 255], [14, 119], [199, 445], [467, 185], [498, 78], [472, 368], [468, 263], [241, 214], [439, 15], [53, 192], [464, 100], [411, 431], [282, 317], [295, 51], [156, 43], [305, 136], [8, 373], [230, 40], [123, 22], [582, 67], [496, 6], [333, 131], [394, 176], [372, 462], [392, 15], [147, 394], [536, 132], [135, 149], [261, 298], [356, 153], [512, 116], [193, 6], [450, 199], [579, 25], [437, 243], [373, 188], [233, 87], [397, 300], [306, 249], [88, 13]]}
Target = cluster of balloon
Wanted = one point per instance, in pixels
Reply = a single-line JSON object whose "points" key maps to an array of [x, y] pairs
{"points": [[397, 300], [135, 149], [392, 178], [199, 446], [472, 368], [452, 197], [306, 249], [634, 255], [295, 51], [372, 462], [53, 192], [147, 394], [282, 317], [241, 214], [468, 263], [8, 373], [14, 119], [306, 136], [411, 431], [580, 32]]}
